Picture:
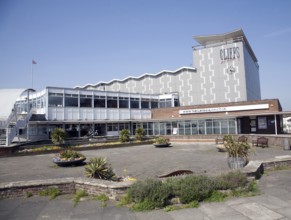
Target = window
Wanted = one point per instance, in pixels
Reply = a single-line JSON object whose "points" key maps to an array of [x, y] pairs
{"points": [[165, 103], [99, 101], [55, 99], [209, 126], [85, 100], [187, 128], [134, 102], [111, 102], [194, 126], [154, 103], [145, 103], [71, 100], [181, 127], [123, 102], [201, 127]]}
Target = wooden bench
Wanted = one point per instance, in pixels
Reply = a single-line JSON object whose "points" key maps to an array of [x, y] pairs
{"points": [[242, 139], [260, 142]]}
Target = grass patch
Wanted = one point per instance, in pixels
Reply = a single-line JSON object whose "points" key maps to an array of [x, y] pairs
{"points": [[51, 192], [78, 195], [217, 196], [103, 198], [28, 194], [170, 208]]}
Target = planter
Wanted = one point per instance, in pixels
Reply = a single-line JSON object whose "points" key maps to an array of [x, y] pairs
{"points": [[220, 148], [66, 163], [162, 145], [235, 163]]}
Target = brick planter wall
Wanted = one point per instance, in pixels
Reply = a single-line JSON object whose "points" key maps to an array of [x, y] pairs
{"points": [[66, 186]]}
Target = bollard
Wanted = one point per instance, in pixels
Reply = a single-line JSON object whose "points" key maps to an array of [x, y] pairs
{"points": [[286, 144]]}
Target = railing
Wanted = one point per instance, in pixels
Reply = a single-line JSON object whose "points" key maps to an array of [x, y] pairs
{"points": [[22, 123], [4, 124]]}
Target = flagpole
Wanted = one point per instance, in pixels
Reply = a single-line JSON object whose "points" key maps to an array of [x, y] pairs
{"points": [[32, 74]]}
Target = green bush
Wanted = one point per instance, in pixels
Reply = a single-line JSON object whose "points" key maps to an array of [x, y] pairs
{"points": [[195, 188], [99, 168], [235, 148], [139, 134], [58, 136], [150, 193], [70, 155], [161, 140], [231, 180], [124, 135]]}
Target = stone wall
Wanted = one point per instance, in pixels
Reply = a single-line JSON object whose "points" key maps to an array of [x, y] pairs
{"points": [[66, 186]]}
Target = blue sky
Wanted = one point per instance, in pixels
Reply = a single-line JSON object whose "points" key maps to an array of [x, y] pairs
{"points": [[76, 42]]}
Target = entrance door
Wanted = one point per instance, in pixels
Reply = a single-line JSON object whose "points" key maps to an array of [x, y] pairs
{"points": [[253, 125]]}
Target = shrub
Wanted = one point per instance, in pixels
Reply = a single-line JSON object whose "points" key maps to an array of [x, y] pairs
{"points": [[124, 135], [161, 140], [100, 169], [150, 194], [58, 136], [139, 134], [231, 180], [70, 155], [236, 148], [195, 188]]}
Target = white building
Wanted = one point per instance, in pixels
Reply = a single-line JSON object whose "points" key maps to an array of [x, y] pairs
{"points": [[225, 71]]}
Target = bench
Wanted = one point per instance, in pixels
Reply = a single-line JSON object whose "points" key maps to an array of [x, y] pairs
{"points": [[242, 139], [260, 142]]}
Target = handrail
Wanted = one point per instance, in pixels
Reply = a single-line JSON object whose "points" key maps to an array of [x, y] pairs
{"points": [[4, 124], [22, 123]]}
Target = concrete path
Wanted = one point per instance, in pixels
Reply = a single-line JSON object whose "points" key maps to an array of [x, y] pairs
{"points": [[273, 203], [142, 162]]}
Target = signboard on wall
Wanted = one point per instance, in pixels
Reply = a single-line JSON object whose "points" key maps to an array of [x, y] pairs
{"points": [[262, 122], [224, 109]]}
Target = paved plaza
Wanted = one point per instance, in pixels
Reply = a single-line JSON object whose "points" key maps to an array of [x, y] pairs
{"points": [[142, 162]]}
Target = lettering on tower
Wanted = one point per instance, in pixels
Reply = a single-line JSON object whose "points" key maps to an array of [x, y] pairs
{"points": [[231, 53]]}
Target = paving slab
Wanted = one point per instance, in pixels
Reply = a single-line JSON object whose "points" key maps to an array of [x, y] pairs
{"points": [[188, 214], [256, 211], [219, 211], [270, 202]]}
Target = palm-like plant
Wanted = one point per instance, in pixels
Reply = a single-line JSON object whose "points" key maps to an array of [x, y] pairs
{"points": [[99, 168], [139, 134], [236, 149], [58, 136]]}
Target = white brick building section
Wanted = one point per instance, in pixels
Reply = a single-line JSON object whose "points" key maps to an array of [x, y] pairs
{"points": [[191, 87], [212, 81], [226, 83], [237, 84], [202, 76]]}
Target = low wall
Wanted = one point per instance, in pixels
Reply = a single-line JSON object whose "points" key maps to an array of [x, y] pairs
{"points": [[66, 186], [273, 140]]}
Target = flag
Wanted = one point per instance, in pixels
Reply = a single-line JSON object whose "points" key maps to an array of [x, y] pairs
{"points": [[34, 62]]}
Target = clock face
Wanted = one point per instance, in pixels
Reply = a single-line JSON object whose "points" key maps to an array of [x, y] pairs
{"points": [[231, 70]]}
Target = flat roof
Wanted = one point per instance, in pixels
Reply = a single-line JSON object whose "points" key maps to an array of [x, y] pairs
{"points": [[234, 36]]}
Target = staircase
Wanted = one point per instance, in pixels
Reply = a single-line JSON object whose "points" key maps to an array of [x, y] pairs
{"points": [[10, 127]]}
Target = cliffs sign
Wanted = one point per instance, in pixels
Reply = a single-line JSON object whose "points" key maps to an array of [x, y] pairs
{"points": [[231, 53]]}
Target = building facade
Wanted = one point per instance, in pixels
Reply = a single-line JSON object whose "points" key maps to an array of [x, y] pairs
{"points": [[220, 95], [225, 70]]}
